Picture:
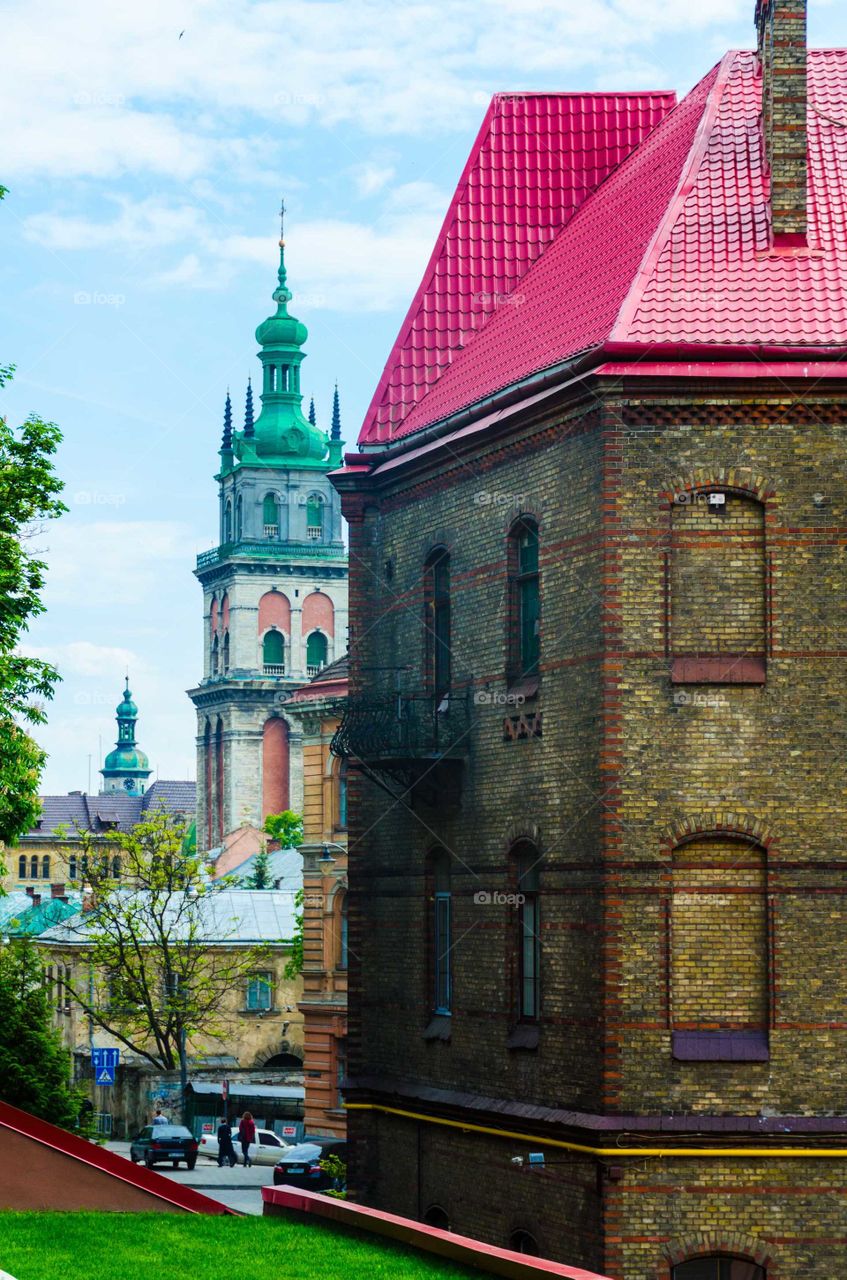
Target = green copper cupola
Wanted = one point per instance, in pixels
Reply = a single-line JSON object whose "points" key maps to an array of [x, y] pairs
{"points": [[126, 768]]}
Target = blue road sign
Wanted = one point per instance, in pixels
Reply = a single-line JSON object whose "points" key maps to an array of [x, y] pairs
{"points": [[108, 1058], [104, 1075]]}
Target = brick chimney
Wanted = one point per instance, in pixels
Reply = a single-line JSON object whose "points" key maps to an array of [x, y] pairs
{"points": [[783, 55], [57, 891]]}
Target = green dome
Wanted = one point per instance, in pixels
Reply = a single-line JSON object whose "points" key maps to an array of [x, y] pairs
{"points": [[127, 767], [126, 708], [126, 760], [281, 330]]}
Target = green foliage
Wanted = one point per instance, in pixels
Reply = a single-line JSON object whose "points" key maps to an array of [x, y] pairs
{"points": [[29, 490], [35, 1069], [286, 827], [336, 1168], [112, 1246], [156, 977], [294, 964], [261, 877]]}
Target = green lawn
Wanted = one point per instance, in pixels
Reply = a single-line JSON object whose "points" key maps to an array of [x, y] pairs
{"points": [[138, 1246]]}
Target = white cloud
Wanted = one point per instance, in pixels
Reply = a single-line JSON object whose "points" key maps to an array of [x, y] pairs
{"points": [[84, 658], [112, 562], [371, 178]]}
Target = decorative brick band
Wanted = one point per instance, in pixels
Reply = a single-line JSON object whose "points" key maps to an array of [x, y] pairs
{"points": [[716, 823]]}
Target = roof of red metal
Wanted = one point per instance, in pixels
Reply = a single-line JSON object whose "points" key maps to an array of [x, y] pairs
{"points": [[673, 250], [536, 159], [108, 1162]]}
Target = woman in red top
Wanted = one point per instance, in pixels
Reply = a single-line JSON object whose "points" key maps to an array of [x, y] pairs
{"points": [[246, 1135]]}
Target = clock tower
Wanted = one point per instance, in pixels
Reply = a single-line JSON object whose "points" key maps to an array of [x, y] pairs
{"points": [[126, 769], [274, 589]]}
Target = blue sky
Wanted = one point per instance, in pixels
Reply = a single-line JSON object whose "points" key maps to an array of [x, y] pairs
{"points": [[145, 173]]}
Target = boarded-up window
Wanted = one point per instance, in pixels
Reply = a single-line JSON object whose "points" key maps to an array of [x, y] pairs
{"points": [[718, 932], [718, 588]]}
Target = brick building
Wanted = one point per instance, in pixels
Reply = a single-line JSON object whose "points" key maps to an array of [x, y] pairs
{"points": [[316, 711], [596, 717]]}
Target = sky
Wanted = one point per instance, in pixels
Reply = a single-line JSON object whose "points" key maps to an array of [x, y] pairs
{"points": [[146, 149]]}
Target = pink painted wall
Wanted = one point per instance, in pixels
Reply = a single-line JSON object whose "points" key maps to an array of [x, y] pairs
{"points": [[213, 616], [274, 767], [274, 611], [318, 613]]}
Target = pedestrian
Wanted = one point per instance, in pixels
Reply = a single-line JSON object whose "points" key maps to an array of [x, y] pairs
{"points": [[226, 1151], [246, 1135], [159, 1118]]}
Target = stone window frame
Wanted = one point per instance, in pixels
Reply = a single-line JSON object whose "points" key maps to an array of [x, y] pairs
{"points": [[734, 1244], [746, 829], [437, 605], [744, 483]]}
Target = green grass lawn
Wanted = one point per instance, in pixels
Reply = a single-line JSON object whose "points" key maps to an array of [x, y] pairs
{"points": [[138, 1246]]}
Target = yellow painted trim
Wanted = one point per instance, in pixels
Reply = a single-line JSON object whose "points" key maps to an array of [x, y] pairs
{"points": [[771, 1153]]}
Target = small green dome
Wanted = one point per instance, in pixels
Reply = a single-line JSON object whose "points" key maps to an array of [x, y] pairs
{"points": [[126, 708], [281, 330], [126, 759]]}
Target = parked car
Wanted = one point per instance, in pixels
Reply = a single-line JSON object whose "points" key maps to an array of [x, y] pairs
{"points": [[160, 1142], [267, 1148], [301, 1165]]}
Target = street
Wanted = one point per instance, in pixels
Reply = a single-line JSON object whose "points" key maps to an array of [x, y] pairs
{"points": [[237, 1188]]}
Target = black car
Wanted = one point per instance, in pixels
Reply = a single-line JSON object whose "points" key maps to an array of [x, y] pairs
{"points": [[301, 1165], [159, 1142]]}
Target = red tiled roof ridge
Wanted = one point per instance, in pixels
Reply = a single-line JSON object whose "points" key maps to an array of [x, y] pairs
{"points": [[533, 210]]}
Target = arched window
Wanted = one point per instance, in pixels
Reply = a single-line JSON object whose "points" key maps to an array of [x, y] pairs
{"points": [[45, 867], [342, 933], [213, 616], [315, 517], [228, 521], [524, 1242], [524, 614], [33, 867], [72, 866], [437, 621], [342, 794], [225, 652], [215, 656], [239, 518], [270, 516], [22, 866], [316, 653], [273, 653], [527, 859], [717, 624], [116, 868], [718, 950], [441, 930], [270, 377], [435, 1216], [718, 1267]]}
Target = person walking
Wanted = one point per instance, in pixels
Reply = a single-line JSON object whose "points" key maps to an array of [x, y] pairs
{"points": [[246, 1135], [226, 1151], [159, 1118]]}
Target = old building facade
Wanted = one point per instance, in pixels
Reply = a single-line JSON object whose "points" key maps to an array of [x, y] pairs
{"points": [[596, 660], [317, 710], [274, 590]]}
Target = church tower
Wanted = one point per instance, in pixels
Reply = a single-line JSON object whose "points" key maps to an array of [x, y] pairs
{"points": [[274, 589], [126, 769]]}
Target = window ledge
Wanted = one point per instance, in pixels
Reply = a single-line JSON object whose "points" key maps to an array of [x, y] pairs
{"points": [[526, 689], [720, 1046], [739, 668], [526, 1035], [439, 1028], [258, 1013]]}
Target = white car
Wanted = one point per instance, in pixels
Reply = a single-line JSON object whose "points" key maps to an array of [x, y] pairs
{"points": [[268, 1148]]}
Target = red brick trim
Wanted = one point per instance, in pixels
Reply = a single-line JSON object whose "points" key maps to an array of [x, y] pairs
{"points": [[716, 824], [735, 1243], [740, 480]]}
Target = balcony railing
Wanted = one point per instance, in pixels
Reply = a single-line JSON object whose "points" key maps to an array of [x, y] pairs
{"points": [[312, 670], [267, 549], [404, 727], [313, 532], [274, 668], [271, 530]]}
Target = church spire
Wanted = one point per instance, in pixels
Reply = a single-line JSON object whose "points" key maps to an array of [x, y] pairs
{"points": [[226, 439], [126, 768], [249, 429], [335, 433], [312, 417]]}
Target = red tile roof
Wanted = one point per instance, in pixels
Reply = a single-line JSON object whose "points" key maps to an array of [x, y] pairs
{"points": [[536, 159], [672, 253]]}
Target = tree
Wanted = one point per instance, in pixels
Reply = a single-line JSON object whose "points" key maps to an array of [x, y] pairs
{"points": [[29, 491], [160, 968], [294, 964], [35, 1069], [261, 877], [286, 827]]}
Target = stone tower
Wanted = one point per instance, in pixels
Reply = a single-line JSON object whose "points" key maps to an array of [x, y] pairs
{"points": [[126, 769], [274, 589]]}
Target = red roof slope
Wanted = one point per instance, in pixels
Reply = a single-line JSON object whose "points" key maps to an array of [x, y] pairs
{"points": [[536, 159], [674, 248]]}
